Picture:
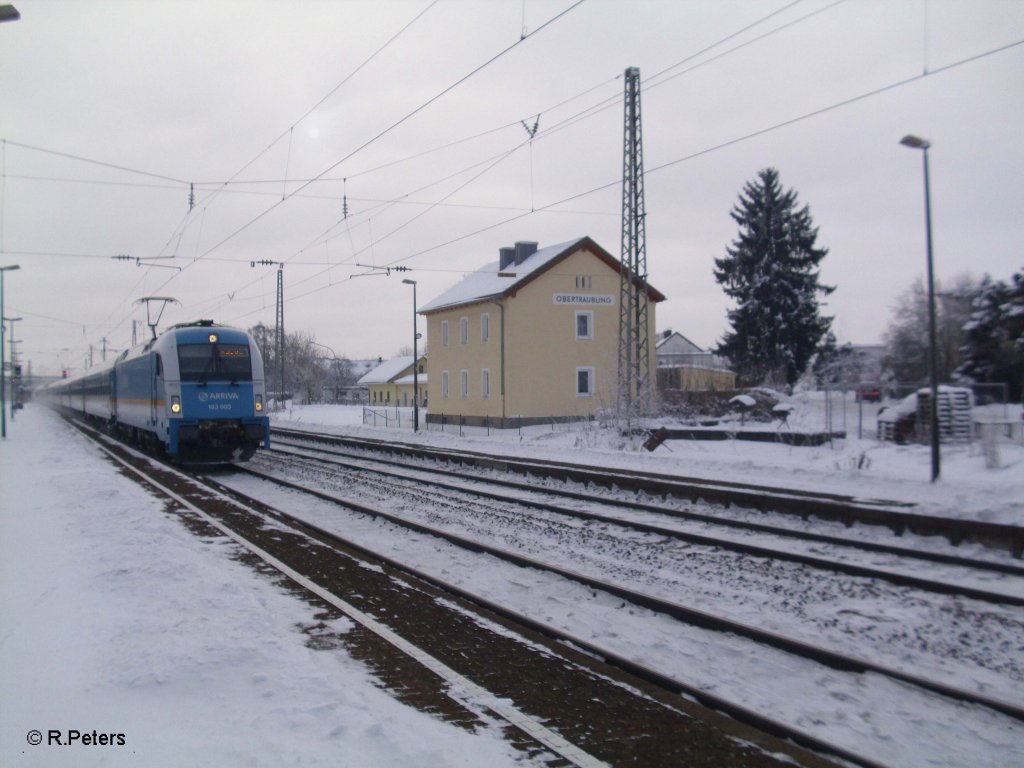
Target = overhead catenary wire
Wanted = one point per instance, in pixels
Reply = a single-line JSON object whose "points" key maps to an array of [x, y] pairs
{"points": [[365, 144], [548, 207], [607, 102], [663, 166], [92, 161], [379, 135], [394, 125], [288, 131], [691, 156], [650, 83], [365, 62], [721, 145], [584, 114]]}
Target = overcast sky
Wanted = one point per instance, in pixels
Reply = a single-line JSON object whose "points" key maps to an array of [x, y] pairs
{"points": [[113, 113]]}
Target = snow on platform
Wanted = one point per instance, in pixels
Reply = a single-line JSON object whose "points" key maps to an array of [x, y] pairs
{"points": [[116, 619]]}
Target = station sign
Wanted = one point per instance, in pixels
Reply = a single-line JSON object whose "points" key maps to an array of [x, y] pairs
{"points": [[584, 300]]}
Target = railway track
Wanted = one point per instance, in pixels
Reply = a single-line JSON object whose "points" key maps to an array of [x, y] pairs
{"points": [[899, 518], [901, 562], [560, 705], [584, 572], [859, 667], [846, 676]]}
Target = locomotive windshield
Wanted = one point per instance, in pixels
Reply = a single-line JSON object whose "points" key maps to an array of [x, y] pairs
{"points": [[216, 362]]}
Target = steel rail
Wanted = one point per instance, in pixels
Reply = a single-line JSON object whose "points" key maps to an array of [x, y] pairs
{"points": [[897, 516], [849, 568], [459, 686], [713, 701], [680, 612]]}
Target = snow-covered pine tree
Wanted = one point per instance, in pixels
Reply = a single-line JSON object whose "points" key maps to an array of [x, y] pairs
{"points": [[771, 271], [993, 348]]}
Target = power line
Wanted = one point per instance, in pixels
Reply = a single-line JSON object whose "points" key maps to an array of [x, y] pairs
{"points": [[54, 254], [590, 111], [395, 124], [334, 90], [649, 83], [178, 229], [832, 107], [723, 145], [671, 163], [739, 32], [381, 134], [101, 163], [754, 134]]}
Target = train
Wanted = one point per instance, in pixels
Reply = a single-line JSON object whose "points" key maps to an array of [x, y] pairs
{"points": [[195, 393]]}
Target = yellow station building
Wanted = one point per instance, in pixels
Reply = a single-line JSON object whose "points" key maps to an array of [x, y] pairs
{"points": [[530, 338]]}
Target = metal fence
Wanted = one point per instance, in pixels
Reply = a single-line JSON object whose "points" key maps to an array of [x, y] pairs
{"points": [[395, 417]]}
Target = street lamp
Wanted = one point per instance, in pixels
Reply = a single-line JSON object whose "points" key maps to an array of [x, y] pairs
{"points": [[915, 142], [415, 362], [334, 366], [3, 381]]}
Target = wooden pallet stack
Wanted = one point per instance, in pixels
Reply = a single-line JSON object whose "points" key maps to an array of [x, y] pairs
{"points": [[954, 414]]}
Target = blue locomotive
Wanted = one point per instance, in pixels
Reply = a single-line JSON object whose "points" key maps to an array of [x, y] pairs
{"points": [[195, 392]]}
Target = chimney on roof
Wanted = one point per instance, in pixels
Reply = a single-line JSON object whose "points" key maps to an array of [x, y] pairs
{"points": [[524, 250], [505, 257]]}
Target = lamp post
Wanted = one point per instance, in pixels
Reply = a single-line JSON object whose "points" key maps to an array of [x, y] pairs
{"points": [[415, 362], [3, 366], [915, 142]]}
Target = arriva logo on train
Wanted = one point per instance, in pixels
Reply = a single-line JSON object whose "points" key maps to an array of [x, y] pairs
{"points": [[205, 396], [584, 299]]}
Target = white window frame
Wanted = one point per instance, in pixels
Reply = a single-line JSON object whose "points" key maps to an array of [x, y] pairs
{"points": [[589, 336], [444, 333], [485, 384], [464, 384], [485, 326], [589, 371], [463, 330], [444, 385]]}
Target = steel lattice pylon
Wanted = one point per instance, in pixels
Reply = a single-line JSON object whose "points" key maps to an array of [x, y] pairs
{"points": [[634, 390], [279, 335]]}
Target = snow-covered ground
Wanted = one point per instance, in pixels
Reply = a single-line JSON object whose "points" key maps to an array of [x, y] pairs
{"points": [[115, 619]]}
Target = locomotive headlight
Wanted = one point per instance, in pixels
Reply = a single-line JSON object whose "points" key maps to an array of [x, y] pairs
{"points": [[259, 403], [175, 404], [213, 338]]}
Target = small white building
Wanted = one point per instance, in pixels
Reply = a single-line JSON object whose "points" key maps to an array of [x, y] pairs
{"points": [[391, 382], [684, 365]]}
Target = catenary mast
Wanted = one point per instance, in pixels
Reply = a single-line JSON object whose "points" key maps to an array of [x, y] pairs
{"points": [[634, 390], [279, 335]]}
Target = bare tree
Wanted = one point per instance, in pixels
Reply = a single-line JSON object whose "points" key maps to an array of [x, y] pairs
{"points": [[305, 371], [906, 338]]}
